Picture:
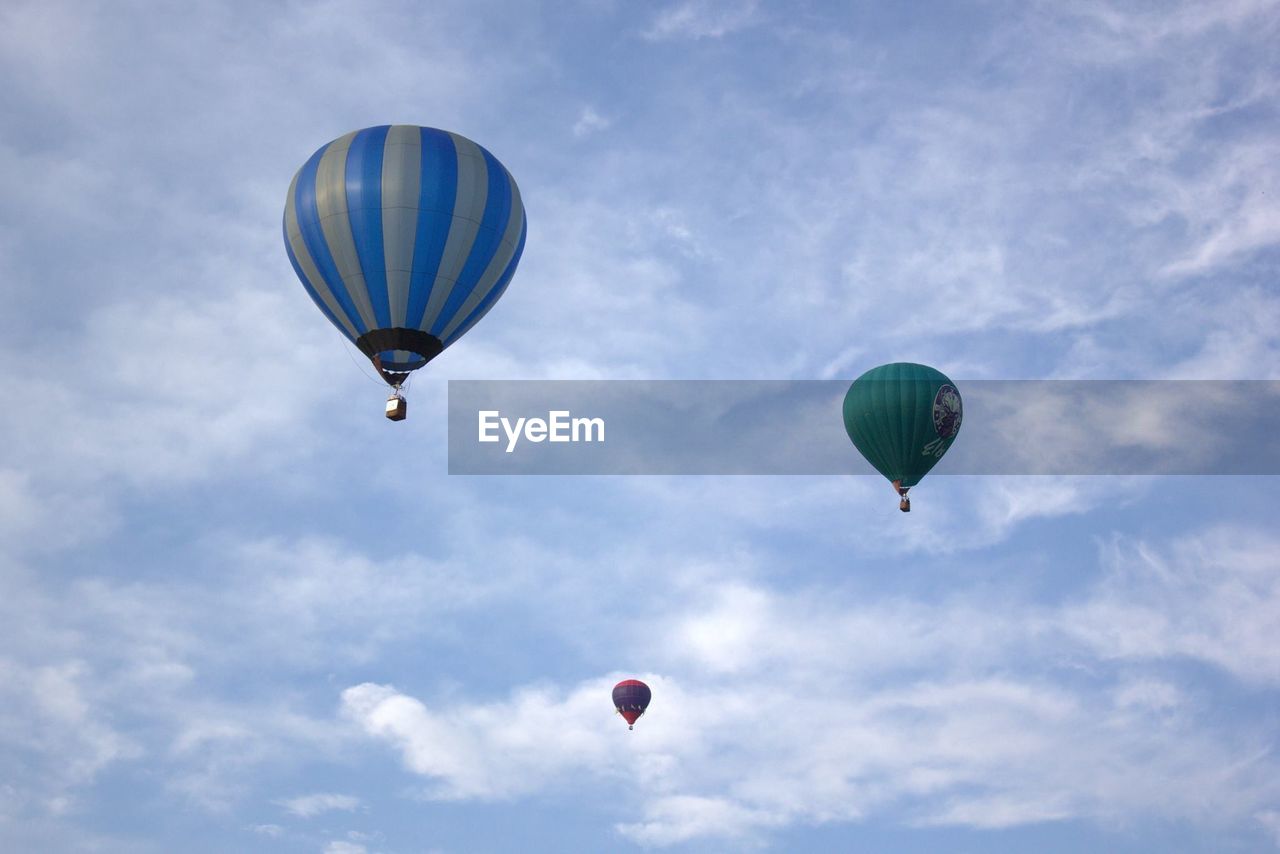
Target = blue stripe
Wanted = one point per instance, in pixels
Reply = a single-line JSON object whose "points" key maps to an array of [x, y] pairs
{"points": [[493, 224], [313, 236], [498, 289], [389, 362], [306, 283], [364, 210], [437, 194]]}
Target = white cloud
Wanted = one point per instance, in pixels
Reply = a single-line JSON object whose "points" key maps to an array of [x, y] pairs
{"points": [[980, 753], [273, 831], [339, 846], [988, 510], [1118, 34], [1239, 340], [679, 818], [589, 122], [950, 514], [1270, 819], [28, 32], [56, 712], [728, 637], [488, 752], [19, 509], [102, 671], [316, 599], [1231, 207], [308, 806], [955, 712], [698, 19], [216, 746], [1213, 597], [162, 394]]}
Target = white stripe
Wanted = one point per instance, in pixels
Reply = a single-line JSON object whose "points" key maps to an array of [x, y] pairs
{"points": [[331, 203], [401, 182], [308, 265], [468, 210], [498, 264]]}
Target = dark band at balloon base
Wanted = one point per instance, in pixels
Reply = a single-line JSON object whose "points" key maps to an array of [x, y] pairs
{"points": [[415, 341]]}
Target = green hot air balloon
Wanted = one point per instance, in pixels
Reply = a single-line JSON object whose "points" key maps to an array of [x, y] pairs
{"points": [[902, 417]]}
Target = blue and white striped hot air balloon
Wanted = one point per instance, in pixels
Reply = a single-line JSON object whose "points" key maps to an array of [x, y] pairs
{"points": [[405, 237]]}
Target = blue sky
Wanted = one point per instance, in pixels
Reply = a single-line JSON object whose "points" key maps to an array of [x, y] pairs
{"points": [[243, 612]]}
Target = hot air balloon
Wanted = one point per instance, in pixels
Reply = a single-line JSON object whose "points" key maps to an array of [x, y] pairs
{"points": [[404, 237], [631, 697], [902, 417]]}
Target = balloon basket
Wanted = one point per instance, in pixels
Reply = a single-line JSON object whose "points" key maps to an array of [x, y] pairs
{"points": [[905, 504], [397, 408]]}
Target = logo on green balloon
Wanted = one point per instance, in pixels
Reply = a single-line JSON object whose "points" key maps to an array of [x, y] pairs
{"points": [[947, 411]]}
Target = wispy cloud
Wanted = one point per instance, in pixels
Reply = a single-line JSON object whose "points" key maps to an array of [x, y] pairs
{"points": [[308, 806], [1238, 213], [1125, 32], [1214, 598], [674, 819], [697, 19], [341, 846], [51, 709], [273, 831], [487, 752], [589, 122]]}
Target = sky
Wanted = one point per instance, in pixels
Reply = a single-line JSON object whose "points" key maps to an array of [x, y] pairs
{"points": [[241, 611]]}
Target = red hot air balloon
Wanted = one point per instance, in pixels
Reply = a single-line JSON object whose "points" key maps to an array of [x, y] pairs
{"points": [[631, 697]]}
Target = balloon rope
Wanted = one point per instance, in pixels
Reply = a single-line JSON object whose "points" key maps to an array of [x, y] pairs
{"points": [[346, 348]]}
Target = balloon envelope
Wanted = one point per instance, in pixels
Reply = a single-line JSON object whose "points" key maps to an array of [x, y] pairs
{"points": [[404, 237], [631, 697], [903, 417]]}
